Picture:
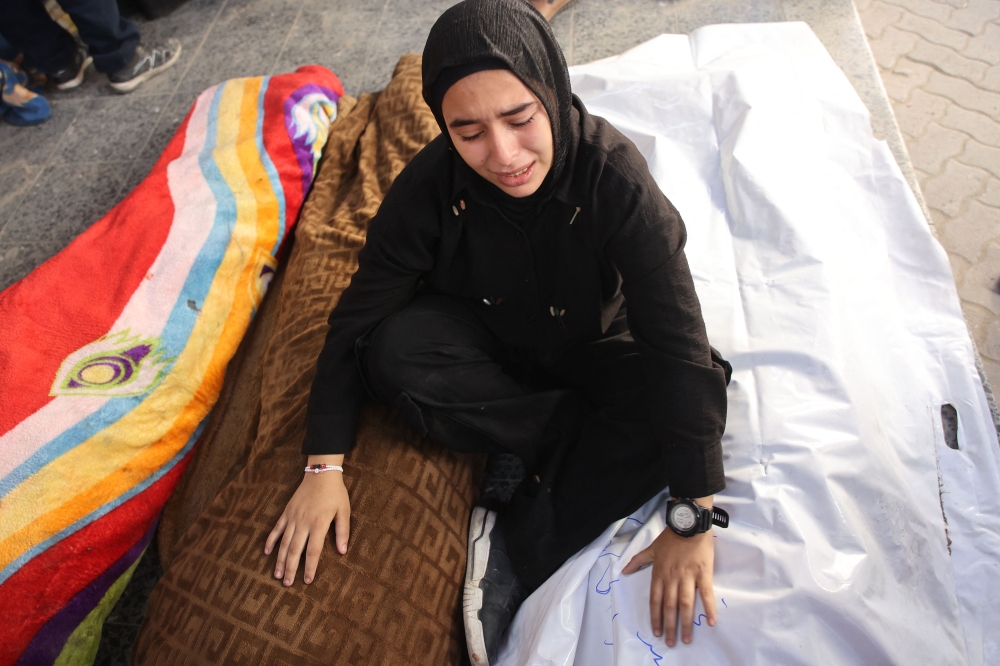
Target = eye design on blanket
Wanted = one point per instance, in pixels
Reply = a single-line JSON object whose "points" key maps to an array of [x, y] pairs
{"points": [[113, 366], [308, 114]]}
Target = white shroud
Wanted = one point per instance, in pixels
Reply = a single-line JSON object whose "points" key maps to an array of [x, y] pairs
{"points": [[857, 535]]}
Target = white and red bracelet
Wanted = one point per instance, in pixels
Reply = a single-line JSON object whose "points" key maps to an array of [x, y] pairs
{"points": [[316, 469]]}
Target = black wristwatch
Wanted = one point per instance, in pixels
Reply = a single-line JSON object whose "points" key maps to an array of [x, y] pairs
{"points": [[686, 518]]}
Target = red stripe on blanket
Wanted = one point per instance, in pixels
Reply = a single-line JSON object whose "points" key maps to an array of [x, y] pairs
{"points": [[43, 586], [74, 297], [279, 144]]}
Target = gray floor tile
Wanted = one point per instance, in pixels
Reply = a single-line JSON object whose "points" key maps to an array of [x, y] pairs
{"points": [[603, 28], [136, 173], [337, 34], [836, 25], [19, 259], [692, 14], [189, 24], [173, 115], [245, 41], [396, 37], [16, 178], [64, 201], [110, 129], [419, 10], [191, 21], [36, 145], [563, 26]]}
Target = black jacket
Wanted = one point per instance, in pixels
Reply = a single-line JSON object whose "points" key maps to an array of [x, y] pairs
{"points": [[606, 235]]}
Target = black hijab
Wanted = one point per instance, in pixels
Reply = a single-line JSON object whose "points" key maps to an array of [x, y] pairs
{"points": [[503, 34]]}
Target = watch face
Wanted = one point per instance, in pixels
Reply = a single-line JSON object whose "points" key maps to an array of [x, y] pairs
{"points": [[682, 517]]}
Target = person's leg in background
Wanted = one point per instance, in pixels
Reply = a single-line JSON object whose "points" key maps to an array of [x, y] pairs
{"points": [[7, 50], [29, 28], [112, 43], [111, 39]]}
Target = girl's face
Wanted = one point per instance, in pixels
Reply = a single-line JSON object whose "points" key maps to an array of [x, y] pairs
{"points": [[500, 129]]}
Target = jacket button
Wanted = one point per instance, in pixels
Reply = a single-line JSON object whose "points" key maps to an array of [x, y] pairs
{"points": [[527, 280], [531, 318]]}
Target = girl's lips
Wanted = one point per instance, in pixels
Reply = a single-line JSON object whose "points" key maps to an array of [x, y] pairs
{"points": [[516, 178]]}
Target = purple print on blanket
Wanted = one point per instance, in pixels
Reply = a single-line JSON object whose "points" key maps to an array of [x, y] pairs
{"points": [[308, 114]]}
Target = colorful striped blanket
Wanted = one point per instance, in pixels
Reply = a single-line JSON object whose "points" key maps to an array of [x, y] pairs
{"points": [[113, 352]]}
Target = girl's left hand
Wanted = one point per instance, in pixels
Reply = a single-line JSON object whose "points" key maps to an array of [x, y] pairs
{"points": [[680, 566]]}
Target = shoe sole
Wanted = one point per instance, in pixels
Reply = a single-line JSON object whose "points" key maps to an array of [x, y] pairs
{"points": [[132, 84], [78, 79], [480, 526], [22, 123]]}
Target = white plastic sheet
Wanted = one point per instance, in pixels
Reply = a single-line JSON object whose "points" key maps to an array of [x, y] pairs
{"points": [[858, 536]]}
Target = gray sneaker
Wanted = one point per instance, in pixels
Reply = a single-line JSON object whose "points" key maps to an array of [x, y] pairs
{"points": [[492, 591], [147, 62]]}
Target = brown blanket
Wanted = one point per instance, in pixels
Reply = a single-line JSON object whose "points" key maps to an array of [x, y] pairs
{"points": [[395, 597]]}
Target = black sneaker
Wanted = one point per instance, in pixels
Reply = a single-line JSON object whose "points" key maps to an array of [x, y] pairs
{"points": [[147, 62], [72, 75], [492, 591]]}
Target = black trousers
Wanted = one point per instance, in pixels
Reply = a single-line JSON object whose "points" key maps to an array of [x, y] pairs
{"points": [[578, 418], [110, 38]]}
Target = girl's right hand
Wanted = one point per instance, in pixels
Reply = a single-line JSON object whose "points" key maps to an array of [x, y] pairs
{"points": [[319, 500]]}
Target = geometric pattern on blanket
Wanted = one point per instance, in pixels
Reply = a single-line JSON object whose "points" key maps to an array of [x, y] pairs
{"points": [[395, 597], [113, 352]]}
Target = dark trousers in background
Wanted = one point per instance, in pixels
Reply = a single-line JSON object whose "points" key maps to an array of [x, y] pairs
{"points": [[578, 419], [110, 38]]}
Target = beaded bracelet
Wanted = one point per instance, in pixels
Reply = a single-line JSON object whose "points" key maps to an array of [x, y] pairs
{"points": [[316, 469]]}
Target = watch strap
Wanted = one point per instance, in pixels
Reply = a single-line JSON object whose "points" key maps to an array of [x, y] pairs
{"points": [[713, 516], [720, 517]]}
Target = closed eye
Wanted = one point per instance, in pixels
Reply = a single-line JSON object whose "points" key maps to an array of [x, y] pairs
{"points": [[475, 136]]}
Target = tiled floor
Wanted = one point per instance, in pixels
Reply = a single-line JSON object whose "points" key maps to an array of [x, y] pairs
{"points": [[60, 177]]}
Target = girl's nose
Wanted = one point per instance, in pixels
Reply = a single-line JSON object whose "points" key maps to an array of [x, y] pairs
{"points": [[505, 148]]}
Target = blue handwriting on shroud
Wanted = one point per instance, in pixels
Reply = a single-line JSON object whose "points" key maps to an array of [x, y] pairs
{"points": [[612, 627], [656, 655], [607, 590]]}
